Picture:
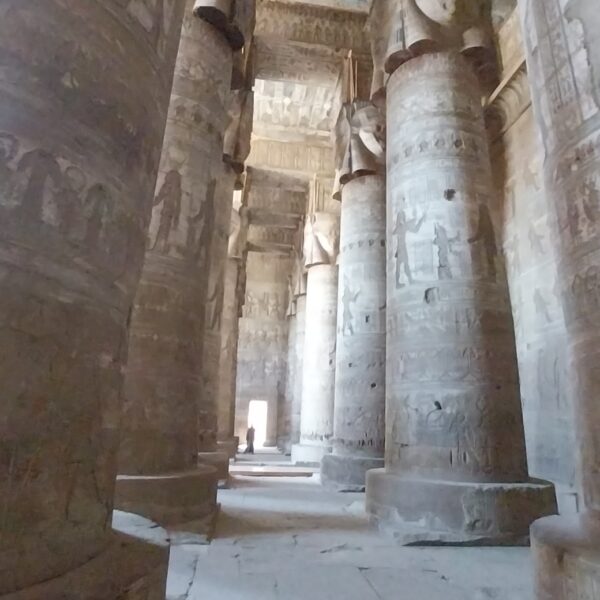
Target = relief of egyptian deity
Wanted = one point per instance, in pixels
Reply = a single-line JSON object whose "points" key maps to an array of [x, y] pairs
{"points": [[169, 200], [200, 228], [402, 227], [349, 298], [35, 187]]}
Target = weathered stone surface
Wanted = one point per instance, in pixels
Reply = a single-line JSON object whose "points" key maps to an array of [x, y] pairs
{"points": [[453, 407], [211, 333], [263, 339], [163, 387], [528, 228], [133, 566], [563, 52], [79, 150], [298, 358], [171, 499], [318, 371], [359, 415]]}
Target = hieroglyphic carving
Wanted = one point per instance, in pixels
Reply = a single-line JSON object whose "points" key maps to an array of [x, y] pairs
{"points": [[236, 143], [311, 25], [290, 156], [563, 56]]}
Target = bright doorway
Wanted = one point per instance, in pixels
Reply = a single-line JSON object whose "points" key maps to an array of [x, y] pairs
{"points": [[257, 417]]}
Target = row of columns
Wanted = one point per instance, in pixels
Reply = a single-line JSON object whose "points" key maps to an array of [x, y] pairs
{"points": [[82, 224], [424, 359]]}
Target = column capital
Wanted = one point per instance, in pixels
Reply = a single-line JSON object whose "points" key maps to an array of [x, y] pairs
{"points": [[321, 239], [360, 143]]}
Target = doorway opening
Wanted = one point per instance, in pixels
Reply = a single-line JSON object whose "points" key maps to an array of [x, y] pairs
{"points": [[257, 417]]}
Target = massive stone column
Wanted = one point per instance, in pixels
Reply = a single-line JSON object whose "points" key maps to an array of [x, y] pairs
{"points": [[232, 306], [211, 332], [318, 377], [236, 147], [79, 152], [359, 413], [298, 358], [456, 469], [160, 476], [563, 56]]}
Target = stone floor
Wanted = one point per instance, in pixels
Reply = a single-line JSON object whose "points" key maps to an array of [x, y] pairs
{"points": [[288, 539]]}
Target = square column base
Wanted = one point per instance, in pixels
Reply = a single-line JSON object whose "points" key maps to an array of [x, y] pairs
{"points": [[347, 473], [424, 512], [566, 552], [174, 499], [229, 446], [308, 455], [134, 565]]}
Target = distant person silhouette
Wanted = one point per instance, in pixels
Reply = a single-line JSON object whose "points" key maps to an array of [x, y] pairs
{"points": [[250, 440]]}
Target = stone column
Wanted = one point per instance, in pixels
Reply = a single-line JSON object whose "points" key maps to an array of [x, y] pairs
{"points": [[209, 452], [456, 469], [236, 148], [79, 151], [160, 476], [563, 56], [298, 358], [359, 414], [318, 377], [232, 306]]}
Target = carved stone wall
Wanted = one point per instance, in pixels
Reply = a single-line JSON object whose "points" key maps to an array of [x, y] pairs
{"points": [[263, 339]]}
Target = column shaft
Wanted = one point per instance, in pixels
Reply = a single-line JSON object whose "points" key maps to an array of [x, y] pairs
{"points": [[318, 377], [162, 382], [455, 452], [298, 358], [359, 416], [228, 364], [211, 332], [79, 149], [563, 56]]}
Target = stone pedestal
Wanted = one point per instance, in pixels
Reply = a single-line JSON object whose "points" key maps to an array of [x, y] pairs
{"points": [[159, 445], [455, 463], [133, 565], [79, 152], [562, 47], [318, 387], [359, 414]]}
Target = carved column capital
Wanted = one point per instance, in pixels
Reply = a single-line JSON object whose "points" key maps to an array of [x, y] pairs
{"points": [[321, 239], [360, 143]]}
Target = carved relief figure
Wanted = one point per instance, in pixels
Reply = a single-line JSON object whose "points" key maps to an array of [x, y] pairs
{"points": [[170, 198], [215, 301], [9, 148], [535, 241], [38, 177], [98, 206], [400, 232], [68, 199], [348, 299], [486, 234], [591, 200], [200, 227], [541, 305], [589, 17], [445, 246]]}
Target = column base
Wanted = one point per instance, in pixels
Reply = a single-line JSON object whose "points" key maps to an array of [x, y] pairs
{"points": [[134, 565], [229, 446], [347, 473], [173, 499], [455, 513], [217, 460], [310, 456], [566, 551]]}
